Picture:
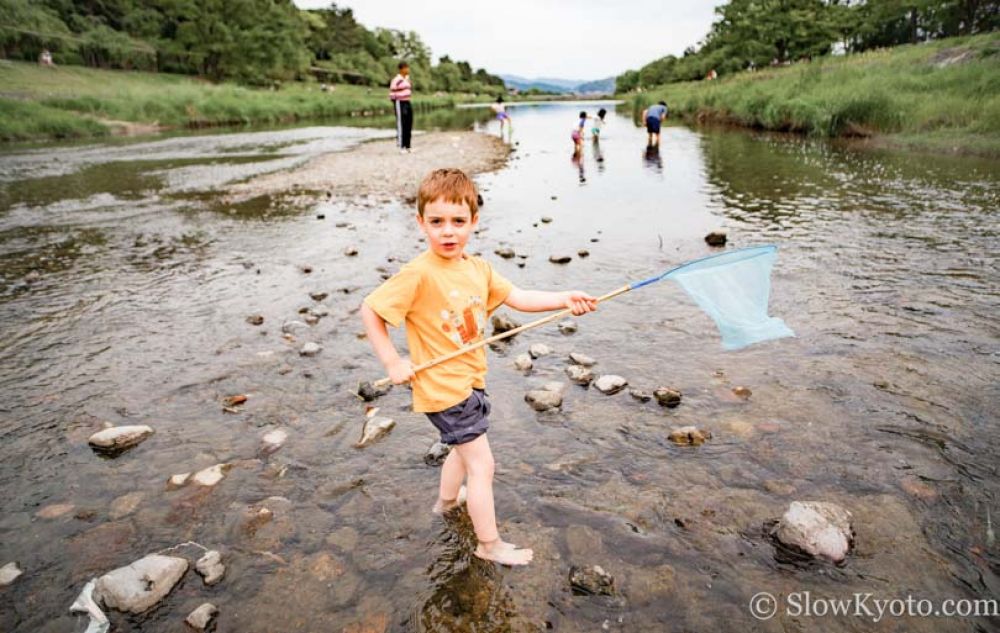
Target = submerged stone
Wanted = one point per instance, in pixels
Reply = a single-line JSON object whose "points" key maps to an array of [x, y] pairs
{"points": [[543, 399], [119, 438], [689, 435], [668, 397], [137, 587], [591, 581], [373, 430]]}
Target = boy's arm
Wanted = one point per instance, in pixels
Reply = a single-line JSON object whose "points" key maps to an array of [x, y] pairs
{"points": [[543, 301], [400, 369]]}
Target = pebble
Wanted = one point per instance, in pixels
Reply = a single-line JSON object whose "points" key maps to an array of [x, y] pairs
{"points": [[178, 481], [539, 349], [505, 252], [546, 219], [560, 259], [689, 435], [579, 374], [583, 253], [318, 296], [210, 476], [291, 326], [255, 319], [118, 438], [369, 392], [639, 395], [200, 618], [742, 392], [125, 505], [716, 238], [582, 359], [610, 384], [311, 319], [816, 528], [9, 573], [350, 251], [310, 349], [523, 362], [210, 567], [667, 397], [567, 326]]}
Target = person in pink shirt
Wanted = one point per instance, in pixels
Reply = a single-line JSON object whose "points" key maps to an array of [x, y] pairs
{"points": [[399, 93]]}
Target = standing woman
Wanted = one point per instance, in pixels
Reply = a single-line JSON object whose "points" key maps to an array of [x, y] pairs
{"points": [[399, 93]]}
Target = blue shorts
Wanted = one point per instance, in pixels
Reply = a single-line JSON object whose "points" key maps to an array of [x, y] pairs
{"points": [[465, 421], [653, 124]]}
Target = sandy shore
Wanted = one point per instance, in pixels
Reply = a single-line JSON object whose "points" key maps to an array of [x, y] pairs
{"points": [[378, 168]]}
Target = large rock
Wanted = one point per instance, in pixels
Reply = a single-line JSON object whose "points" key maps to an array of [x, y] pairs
{"points": [[118, 438], [819, 529], [374, 429], [210, 567], [137, 587], [543, 399], [579, 374], [610, 384]]}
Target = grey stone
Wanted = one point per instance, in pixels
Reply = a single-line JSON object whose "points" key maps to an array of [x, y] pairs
{"points": [[582, 359], [200, 618], [310, 349], [374, 429], [503, 323], [120, 437], [543, 399], [210, 476], [591, 581], [819, 529], [567, 326], [436, 454], [610, 384], [640, 395], [210, 567], [9, 573], [272, 441], [291, 327], [579, 374], [539, 349], [255, 319], [505, 252], [137, 587], [369, 392], [523, 362]]}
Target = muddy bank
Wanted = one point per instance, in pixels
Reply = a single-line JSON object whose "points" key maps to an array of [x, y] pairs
{"points": [[378, 167]]}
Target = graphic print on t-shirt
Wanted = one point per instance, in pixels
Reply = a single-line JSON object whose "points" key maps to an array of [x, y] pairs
{"points": [[463, 322]]}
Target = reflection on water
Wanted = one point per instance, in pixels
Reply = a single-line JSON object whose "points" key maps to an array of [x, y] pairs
{"points": [[125, 291], [652, 159]]}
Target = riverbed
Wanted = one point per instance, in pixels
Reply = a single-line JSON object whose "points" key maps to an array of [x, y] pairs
{"points": [[125, 287]]}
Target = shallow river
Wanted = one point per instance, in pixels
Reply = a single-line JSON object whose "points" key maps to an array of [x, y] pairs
{"points": [[124, 292]]}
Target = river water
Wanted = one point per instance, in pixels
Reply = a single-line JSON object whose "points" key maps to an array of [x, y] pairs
{"points": [[124, 291]]}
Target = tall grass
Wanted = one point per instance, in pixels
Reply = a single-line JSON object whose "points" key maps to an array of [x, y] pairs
{"points": [[948, 87], [66, 102]]}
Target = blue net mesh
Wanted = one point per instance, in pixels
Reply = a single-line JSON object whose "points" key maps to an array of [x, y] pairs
{"points": [[733, 288]]}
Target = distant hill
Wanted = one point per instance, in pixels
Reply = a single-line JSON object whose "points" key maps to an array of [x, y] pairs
{"points": [[560, 86]]}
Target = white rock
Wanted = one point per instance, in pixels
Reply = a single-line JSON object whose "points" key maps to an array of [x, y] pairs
{"points": [[178, 481], [272, 441], [9, 573], [210, 567], [820, 529], [291, 326], [582, 359], [120, 437], [539, 349], [84, 603], [374, 429], [579, 374], [567, 326], [211, 475], [610, 384], [543, 399], [310, 349], [523, 362], [202, 616], [141, 585]]}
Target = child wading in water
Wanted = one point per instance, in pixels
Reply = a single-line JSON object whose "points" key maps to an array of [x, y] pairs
{"points": [[577, 134], [444, 296], [502, 116]]}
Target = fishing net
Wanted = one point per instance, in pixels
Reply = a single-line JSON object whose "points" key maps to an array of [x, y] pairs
{"points": [[733, 288]]}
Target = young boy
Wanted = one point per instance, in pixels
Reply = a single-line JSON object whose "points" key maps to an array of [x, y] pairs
{"points": [[445, 296]]}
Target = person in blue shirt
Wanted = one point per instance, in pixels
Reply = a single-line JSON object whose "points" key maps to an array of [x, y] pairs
{"points": [[653, 116]]}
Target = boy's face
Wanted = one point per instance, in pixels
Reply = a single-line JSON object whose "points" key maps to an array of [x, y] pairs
{"points": [[448, 226]]}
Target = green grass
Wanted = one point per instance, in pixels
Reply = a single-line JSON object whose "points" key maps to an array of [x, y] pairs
{"points": [[939, 95], [39, 103]]}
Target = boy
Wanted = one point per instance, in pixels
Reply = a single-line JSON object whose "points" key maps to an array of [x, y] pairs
{"points": [[653, 116], [444, 296]]}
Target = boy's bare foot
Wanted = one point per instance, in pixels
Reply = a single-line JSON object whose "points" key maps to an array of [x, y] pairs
{"points": [[443, 506], [504, 553]]}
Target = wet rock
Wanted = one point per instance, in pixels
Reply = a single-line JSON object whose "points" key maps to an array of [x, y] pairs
{"points": [[560, 259], [350, 251], [310, 349], [55, 510], [539, 349], [178, 481], [716, 238], [318, 296], [582, 359], [255, 319], [9, 573], [503, 323], [210, 567], [523, 362], [232, 401], [306, 269], [84, 603], [640, 395], [583, 253], [567, 326], [369, 392], [667, 397], [125, 505], [816, 528], [374, 429], [740, 428], [543, 399], [119, 438], [546, 219], [272, 441], [505, 252], [200, 618], [689, 435], [137, 587], [210, 476], [610, 384], [579, 374], [742, 392], [311, 319], [589, 581], [436, 454], [291, 327], [320, 311]]}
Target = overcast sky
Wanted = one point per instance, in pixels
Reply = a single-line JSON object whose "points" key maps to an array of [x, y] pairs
{"points": [[578, 39]]}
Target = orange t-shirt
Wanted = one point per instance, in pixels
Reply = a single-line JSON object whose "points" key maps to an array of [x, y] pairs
{"points": [[445, 304]]}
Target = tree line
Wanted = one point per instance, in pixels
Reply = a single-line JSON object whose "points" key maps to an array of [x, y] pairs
{"points": [[249, 41], [755, 33]]}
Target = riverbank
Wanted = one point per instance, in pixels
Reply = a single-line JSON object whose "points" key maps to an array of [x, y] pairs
{"points": [[40, 103], [938, 96], [377, 168]]}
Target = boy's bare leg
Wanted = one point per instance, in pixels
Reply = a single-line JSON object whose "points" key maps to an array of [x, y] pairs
{"points": [[478, 461], [452, 476]]}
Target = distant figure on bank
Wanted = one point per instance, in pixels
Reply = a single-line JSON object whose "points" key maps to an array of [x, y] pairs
{"points": [[654, 115], [711, 75], [597, 124], [400, 89], [577, 134], [502, 116], [45, 59]]}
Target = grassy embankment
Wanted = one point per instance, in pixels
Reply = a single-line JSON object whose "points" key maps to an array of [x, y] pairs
{"points": [[38, 103], [943, 95]]}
